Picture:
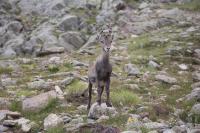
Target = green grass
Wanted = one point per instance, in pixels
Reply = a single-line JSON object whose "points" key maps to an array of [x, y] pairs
{"points": [[53, 68], [26, 92], [124, 97], [6, 70], [118, 121], [192, 6], [58, 129], [76, 87]]}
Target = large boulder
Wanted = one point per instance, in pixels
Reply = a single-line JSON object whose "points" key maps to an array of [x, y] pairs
{"points": [[52, 120], [38, 102], [97, 111], [71, 40], [69, 22]]}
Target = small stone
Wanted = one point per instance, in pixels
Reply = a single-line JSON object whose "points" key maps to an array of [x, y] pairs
{"points": [[174, 88], [155, 125], [196, 76], [153, 64], [195, 109], [3, 128], [55, 60], [52, 120], [183, 67], [103, 118]]}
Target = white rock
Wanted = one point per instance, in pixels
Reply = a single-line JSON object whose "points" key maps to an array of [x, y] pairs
{"points": [[183, 66], [52, 120]]}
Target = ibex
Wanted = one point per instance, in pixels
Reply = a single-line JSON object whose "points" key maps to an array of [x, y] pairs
{"points": [[99, 73]]}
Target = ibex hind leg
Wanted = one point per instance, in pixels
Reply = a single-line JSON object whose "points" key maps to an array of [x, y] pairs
{"points": [[90, 95]]}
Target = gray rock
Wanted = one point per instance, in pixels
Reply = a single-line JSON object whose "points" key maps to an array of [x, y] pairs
{"points": [[25, 124], [4, 103], [153, 64], [195, 131], [194, 95], [52, 120], [69, 22], [131, 70], [97, 111], [10, 123], [195, 109], [66, 81], [66, 119], [179, 129], [169, 131], [51, 50], [15, 26], [8, 82], [40, 84], [45, 7], [3, 128], [174, 13], [166, 79], [36, 103], [74, 124], [143, 5], [196, 76], [175, 88], [71, 40], [129, 132], [155, 126], [55, 60], [91, 42], [183, 67], [2, 116], [195, 85], [197, 53], [78, 63]]}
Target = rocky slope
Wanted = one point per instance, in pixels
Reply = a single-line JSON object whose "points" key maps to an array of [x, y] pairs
{"points": [[46, 47]]}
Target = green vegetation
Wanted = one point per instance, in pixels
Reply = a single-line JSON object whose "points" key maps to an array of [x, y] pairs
{"points": [[53, 68], [76, 87], [25, 92], [192, 6], [124, 97], [58, 129], [6, 70]]}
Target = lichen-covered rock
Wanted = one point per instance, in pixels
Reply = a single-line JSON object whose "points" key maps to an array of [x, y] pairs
{"points": [[69, 22]]}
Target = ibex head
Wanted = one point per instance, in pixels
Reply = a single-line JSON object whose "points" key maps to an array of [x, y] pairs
{"points": [[105, 37]]}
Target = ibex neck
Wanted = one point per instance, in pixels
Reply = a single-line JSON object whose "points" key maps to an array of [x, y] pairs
{"points": [[105, 57]]}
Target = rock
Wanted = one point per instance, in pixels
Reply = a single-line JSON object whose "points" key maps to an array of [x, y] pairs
{"points": [[74, 124], [25, 124], [195, 85], [36, 103], [78, 63], [9, 123], [4, 103], [90, 42], [8, 82], [197, 53], [41, 8], [155, 126], [69, 22], [174, 88], [166, 79], [40, 84], [83, 3], [169, 131], [2, 116], [129, 132], [174, 13], [131, 70], [153, 64], [72, 40], [66, 81], [3, 128], [82, 108], [143, 5], [194, 95], [66, 119], [179, 129], [103, 118], [52, 120], [195, 131], [97, 111], [195, 110], [15, 26], [183, 67], [196, 76], [55, 60], [52, 50], [134, 123]]}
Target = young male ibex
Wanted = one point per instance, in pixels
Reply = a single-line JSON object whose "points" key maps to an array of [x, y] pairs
{"points": [[99, 73]]}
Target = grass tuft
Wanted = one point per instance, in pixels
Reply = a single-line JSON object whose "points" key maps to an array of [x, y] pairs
{"points": [[5, 70], [76, 87]]}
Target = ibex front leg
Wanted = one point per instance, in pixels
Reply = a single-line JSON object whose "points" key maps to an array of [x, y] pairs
{"points": [[90, 94], [99, 91], [108, 103]]}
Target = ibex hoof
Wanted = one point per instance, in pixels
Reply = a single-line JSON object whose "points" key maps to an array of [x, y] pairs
{"points": [[108, 104]]}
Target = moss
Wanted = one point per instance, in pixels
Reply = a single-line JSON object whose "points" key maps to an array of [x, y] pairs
{"points": [[124, 97], [6, 70]]}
